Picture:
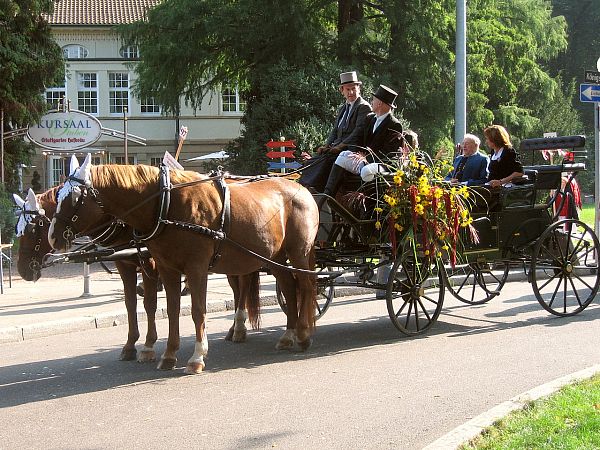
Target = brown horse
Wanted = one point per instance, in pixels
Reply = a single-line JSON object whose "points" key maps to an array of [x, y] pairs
{"points": [[33, 245], [274, 218]]}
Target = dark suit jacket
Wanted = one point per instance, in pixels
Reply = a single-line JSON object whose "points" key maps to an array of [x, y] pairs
{"points": [[386, 138], [506, 165], [352, 133], [475, 171]]}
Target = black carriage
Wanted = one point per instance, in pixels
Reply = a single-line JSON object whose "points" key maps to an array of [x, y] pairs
{"points": [[519, 233]]}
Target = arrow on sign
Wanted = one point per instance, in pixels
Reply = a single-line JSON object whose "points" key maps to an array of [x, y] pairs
{"points": [[280, 165], [288, 154], [277, 144], [589, 92]]}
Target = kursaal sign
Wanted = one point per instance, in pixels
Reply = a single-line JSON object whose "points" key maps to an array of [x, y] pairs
{"points": [[65, 130]]}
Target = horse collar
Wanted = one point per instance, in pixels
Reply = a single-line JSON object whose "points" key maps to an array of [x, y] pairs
{"points": [[164, 186]]}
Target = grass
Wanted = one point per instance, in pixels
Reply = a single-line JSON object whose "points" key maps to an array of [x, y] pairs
{"points": [[568, 419], [586, 215]]}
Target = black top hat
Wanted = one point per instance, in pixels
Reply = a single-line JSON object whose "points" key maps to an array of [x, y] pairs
{"points": [[386, 95]]}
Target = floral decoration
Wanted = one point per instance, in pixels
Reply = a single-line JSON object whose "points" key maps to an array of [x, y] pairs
{"points": [[419, 206]]}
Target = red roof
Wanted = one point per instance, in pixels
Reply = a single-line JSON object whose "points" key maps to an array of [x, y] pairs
{"points": [[99, 12]]}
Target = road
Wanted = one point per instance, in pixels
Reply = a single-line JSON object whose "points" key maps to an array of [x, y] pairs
{"points": [[361, 384]]}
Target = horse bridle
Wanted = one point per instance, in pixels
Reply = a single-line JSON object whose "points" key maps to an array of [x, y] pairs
{"points": [[36, 228]]}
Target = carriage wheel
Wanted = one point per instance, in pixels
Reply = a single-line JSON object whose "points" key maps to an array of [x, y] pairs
{"points": [[325, 294], [564, 267], [476, 283], [415, 294]]}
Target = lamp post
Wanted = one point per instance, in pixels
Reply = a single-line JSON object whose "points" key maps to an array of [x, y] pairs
{"points": [[460, 87], [2, 143], [125, 131]]}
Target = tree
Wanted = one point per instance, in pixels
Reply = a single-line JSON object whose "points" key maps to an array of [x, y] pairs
{"points": [[31, 60], [270, 48]]}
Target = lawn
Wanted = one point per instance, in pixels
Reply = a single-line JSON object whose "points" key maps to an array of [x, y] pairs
{"points": [[569, 419], [587, 214]]}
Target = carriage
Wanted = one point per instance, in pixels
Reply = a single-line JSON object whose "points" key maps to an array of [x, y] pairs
{"points": [[521, 236]]}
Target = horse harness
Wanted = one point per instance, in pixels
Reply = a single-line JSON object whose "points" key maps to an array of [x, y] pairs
{"points": [[37, 227]]}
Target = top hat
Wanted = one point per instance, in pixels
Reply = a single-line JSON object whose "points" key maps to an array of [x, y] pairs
{"points": [[386, 95], [349, 78]]}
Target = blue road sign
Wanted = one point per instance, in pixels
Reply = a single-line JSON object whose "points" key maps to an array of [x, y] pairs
{"points": [[280, 165], [589, 92]]}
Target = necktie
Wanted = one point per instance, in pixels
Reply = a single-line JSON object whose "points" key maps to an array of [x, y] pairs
{"points": [[377, 123], [459, 168], [345, 116]]}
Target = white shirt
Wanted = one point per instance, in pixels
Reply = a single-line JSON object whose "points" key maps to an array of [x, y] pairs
{"points": [[379, 120], [497, 154]]}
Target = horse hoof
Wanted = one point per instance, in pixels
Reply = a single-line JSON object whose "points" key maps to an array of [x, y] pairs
{"points": [[147, 356], [239, 336], [128, 354], [285, 344], [229, 336], [167, 364], [305, 344], [194, 368]]}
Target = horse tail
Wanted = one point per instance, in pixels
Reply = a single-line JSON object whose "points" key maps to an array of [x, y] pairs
{"points": [[309, 297], [253, 298]]}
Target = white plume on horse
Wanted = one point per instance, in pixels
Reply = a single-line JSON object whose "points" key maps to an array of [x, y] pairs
{"points": [[30, 204], [75, 171]]}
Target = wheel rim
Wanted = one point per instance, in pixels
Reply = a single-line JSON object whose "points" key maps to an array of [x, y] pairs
{"points": [[476, 283], [325, 295], [414, 296], [564, 272]]}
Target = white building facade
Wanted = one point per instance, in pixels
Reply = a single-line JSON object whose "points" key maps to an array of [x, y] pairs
{"points": [[99, 81]]}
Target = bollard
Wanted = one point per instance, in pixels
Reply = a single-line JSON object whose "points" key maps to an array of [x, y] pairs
{"points": [[86, 280]]}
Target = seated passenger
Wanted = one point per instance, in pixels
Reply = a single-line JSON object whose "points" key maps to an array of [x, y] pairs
{"points": [[471, 167], [382, 135], [504, 164]]}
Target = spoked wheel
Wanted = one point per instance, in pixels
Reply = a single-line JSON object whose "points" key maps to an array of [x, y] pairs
{"points": [[415, 295], [564, 267], [325, 294], [476, 283]]}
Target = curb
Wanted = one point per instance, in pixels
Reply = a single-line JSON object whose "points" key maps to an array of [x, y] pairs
{"points": [[474, 427], [113, 319]]}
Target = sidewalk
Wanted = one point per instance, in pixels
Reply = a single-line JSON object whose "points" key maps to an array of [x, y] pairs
{"points": [[56, 303]]}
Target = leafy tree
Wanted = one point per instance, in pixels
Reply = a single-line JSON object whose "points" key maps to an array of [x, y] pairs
{"points": [[31, 60]]}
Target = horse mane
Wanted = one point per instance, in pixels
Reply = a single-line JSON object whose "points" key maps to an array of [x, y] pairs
{"points": [[136, 176], [49, 197]]}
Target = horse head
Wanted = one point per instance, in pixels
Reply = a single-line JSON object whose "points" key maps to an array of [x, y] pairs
{"points": [[78, 208], [31, 230]]}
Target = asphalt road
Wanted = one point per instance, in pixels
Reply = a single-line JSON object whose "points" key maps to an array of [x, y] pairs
{"points": [[361, 385]]}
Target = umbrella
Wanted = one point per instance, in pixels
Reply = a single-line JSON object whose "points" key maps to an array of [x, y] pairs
{"points": [[216, 155]]}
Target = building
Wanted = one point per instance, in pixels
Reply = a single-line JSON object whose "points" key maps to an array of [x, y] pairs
{"points": [[99, 81]]}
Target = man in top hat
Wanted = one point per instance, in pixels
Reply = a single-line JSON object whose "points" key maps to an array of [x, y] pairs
{"points": [[350, 120], [347, 130], [382, 135]]}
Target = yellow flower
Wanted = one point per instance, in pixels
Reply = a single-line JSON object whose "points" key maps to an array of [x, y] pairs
{"points": [[438, 193], [392, 201], [378, 225], [417, 199], [398, 227], [378, 210], [464, 214], [445, 247], [426, 252], [419, 209]]}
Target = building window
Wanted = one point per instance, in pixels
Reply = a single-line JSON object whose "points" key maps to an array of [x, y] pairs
{"points": [[74, 51], [55, 95], [87, 92], [155, 161], [149, 106], [231, 100], [118, 92], [130, 52], [120, 159]]}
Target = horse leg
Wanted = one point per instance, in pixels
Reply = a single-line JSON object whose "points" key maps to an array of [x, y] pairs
{"points": [[150, 280], [197, 283], [306, 291], [237, 332], [172, 284], [287, 284], [129, 277]]}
